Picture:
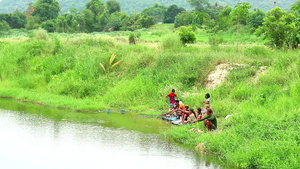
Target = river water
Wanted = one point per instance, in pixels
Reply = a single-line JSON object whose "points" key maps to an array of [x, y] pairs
{"points": [[36, 137]]}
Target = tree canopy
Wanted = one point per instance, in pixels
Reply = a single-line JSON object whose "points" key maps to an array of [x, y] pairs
{"points": [[46, 9]]}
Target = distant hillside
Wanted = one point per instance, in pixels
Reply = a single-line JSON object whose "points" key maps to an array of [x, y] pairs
{"points": [[262, 4], [129, 6]]}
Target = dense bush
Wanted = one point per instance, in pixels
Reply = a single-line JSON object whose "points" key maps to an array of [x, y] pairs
{"points": [[187, 35]]}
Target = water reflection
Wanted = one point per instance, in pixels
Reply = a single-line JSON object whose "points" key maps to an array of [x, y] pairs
{"points": [[32, 140]]}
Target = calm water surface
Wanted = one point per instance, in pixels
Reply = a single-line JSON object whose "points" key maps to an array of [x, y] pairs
{"points": [[36, 137]]}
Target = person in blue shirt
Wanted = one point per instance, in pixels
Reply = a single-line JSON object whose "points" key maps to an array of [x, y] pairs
{"points": [[207, 101]]}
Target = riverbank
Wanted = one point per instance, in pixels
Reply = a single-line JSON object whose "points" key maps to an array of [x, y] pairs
{"points": [[65, 72]]}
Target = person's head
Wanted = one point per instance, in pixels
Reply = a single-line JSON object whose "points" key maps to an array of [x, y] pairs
{"points": [[209, 111], [207, 95], [199, 110], [186, 107], [173, 90], [176, 102], [192, 112]]}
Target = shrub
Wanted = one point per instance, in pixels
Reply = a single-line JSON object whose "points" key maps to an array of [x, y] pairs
{"points": [[40, 34], [171, 41], [187, 35], [4, 26]]}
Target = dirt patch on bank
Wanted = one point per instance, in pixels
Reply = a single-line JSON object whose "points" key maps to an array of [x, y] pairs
{"points": [[218, 76]]}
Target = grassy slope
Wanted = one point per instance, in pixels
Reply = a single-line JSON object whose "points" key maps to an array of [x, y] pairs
{"points": [[65, 72]]}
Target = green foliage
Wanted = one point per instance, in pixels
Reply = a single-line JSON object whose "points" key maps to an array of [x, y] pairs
{"points": [[64, 71], [240, 13], [15, 20], [96, 6], [199, 5], [4, 26], [277, 27], [49, 25], [170, 14], [133, 37], [115, 21], [157, 11], [186, 35], [32, 23], [110, 64], [171, 41], [40, 34], [46, 9], [256, 18], [215, 40], [191, 18], [137, 21], [113, 6]]}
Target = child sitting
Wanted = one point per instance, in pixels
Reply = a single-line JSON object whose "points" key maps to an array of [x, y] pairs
{"points": [[199, 116], [192, 117]]}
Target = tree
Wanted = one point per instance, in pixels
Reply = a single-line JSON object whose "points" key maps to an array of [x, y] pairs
{"points": [[186, 35], [46, 9], [240, 13], [171, 12], [278, 27], [115, 21], [86, 20], [199, 5], [113, 6], [32, 23], [223, 21], [49, 25], [4, 26], [195, 18], [256, 18], [157, 11], [96, 6], [17, 20]]}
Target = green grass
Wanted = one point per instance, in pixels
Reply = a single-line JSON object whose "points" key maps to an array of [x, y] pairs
{"points": [[63, 71]]}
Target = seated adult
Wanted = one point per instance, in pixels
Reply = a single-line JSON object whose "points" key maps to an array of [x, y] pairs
{"points": [[184, 114], [210, 121], [177, 108]]}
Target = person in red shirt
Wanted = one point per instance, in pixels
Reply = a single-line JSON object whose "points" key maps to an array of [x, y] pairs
{"points": [[172, 96]]}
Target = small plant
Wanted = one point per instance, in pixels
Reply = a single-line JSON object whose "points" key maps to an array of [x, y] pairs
{"points": [[110, 64], [171, 41], [40, 34], [133, 37], [214, 40], [187, 35]]}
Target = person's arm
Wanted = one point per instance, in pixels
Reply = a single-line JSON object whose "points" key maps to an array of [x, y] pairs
{"points": [[206, 117], [212, 117]]}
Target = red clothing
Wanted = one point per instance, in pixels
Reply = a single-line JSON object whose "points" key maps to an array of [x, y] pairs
{"points": [[172, 97]]}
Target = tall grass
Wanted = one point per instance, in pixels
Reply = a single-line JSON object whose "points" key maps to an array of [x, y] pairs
{"points": [[64, 71]]}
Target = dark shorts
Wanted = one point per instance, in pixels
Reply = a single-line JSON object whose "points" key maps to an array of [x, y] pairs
{"points": [[213, 127]]}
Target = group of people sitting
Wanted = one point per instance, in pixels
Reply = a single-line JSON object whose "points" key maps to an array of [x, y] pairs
{"points": [[188, 115]]}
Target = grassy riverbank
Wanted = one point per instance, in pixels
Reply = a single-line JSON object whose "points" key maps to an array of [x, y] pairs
{"points": [[63, 71]]}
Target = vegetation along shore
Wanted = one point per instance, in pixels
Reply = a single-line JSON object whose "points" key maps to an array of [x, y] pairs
{"points": [[94, 60]]}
